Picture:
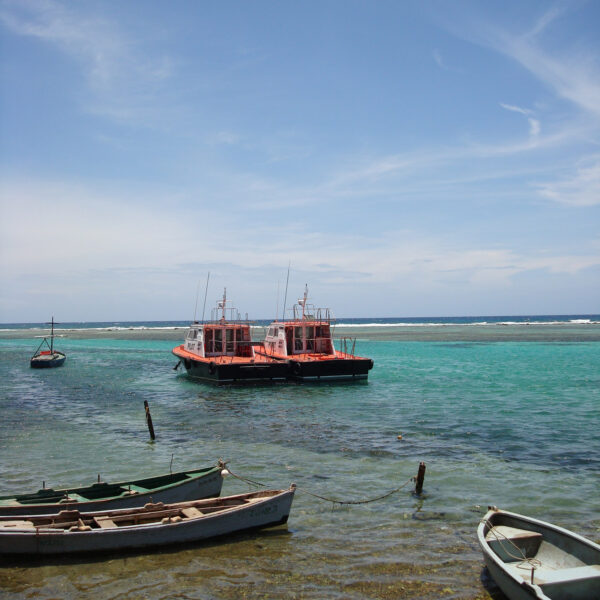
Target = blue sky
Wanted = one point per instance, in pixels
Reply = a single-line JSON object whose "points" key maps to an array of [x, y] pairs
{"points": [[408, 158]]}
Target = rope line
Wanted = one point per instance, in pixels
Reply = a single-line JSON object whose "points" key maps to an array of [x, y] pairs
{"points": [[524, 561], [333, 500]]}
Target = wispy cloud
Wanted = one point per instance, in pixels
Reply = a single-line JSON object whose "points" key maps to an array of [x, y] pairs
{"points": [[442, 63], [169, 236], [534, 127], [90, 264], [542, 23], [120, 78], [569, 72], [517, 109], [581, 189], [571, 77], [534, 124]]}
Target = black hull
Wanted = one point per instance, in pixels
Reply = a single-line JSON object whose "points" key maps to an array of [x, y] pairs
{"points": [[322, 370], [44, 363], [346, 369], [236, 373]]}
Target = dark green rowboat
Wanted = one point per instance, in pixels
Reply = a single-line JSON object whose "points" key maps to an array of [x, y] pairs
{"points": [[170, 488]]}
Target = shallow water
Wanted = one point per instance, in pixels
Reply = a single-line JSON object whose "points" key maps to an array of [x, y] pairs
{"points": [[510, 423]]}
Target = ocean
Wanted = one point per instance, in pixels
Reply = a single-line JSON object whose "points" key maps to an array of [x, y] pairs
{"points": [[503, 411]]}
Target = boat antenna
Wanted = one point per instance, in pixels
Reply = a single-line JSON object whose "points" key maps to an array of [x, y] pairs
{"points": [[224, 303], [286, 289], [196, 305], [205, 293], [277, 311], [304, 299]]}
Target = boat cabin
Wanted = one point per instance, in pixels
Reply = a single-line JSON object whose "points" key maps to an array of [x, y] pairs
{"points": [[309, 332], [223, 335], [297, 337]]}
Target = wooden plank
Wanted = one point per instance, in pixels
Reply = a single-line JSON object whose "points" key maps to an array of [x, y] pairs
{"points": [[191, 512], [105, 523], [17, 524]]}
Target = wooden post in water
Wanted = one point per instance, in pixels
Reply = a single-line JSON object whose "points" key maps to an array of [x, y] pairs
{"points": [[149, 420], [420, 478]]}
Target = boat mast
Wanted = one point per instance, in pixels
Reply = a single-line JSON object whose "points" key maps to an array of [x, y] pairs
{"points": [[196, 305], [205, 292], [52, 336], [286, 289]]}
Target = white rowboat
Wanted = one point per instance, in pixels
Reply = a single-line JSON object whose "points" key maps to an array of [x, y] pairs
{"points": [[147, 527], [529, 559]]}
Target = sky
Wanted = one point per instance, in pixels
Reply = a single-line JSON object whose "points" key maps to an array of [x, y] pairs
{"points": [[401, 158]]}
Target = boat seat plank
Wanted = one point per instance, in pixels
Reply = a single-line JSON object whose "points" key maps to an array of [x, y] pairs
{"points": [[511, 533], [136, 516], [72, 499], [512, 544], [551, 580], [105, 523], [191, 512], [549, 576], [133, 490], [17, 524]]}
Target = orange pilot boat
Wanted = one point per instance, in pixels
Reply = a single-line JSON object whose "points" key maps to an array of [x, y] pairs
{"points": [[221, 350], [306, 342]]}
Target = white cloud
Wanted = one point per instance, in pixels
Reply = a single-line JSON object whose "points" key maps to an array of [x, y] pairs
{"points": [[437, 57], [581, 189], [134, 253], [518, 109], [97, 229], [534, 127], [573, 77], [121, 78], [534, 124], [572, 73], [546, 19]]}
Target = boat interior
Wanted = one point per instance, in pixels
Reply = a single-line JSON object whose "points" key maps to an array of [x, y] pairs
{"points": [[150, 514], [562, 566], [98, 490]]}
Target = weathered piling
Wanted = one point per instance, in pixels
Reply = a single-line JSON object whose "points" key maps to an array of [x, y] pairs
{"points": [[149, 420], [420, 478]]}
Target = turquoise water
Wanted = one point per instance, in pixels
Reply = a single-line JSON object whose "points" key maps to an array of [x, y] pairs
{"points": [[510, 423]]}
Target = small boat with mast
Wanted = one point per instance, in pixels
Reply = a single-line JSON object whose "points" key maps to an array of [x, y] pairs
{"points": [[306, 343], [221, 350], [49, 358]]}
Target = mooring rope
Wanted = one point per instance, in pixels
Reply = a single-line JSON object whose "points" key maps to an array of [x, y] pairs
{"points": [[335, 501], [533, 563], [326, 499]]}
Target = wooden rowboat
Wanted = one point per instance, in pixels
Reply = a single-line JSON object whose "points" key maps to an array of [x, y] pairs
{"points": [[173, 487], [153, 525], [529, 559]]}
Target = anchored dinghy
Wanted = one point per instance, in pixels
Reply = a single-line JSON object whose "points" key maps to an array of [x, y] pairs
{"points": [[529, 559]]}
